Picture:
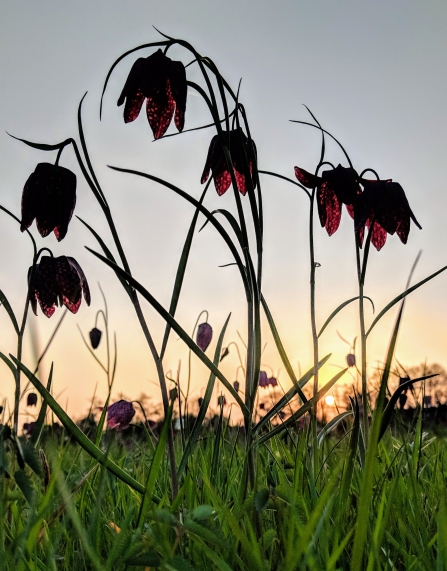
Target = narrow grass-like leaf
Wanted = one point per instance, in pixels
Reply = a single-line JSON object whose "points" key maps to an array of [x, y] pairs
{"points": [[339, 308], [303, 409], [232, 221], [281, 350], [217, 225], [192, 440], [35, 436], [77, 434], [331, 425], [155, 467], [5, 359], [441, 560], [289, 395], [24, 483], [108, 253], [176, 327], [401, 297], [9, 311], [181, 269], [388, 412]]}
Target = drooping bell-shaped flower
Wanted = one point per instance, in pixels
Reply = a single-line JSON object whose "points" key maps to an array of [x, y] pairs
{"points": [[162, 82], [95, 337], [263, 379], [31, 399], [119, 414], [49, 196], [334, 187], [383, 202], [57, 281], [239, 147], [204, 336]]}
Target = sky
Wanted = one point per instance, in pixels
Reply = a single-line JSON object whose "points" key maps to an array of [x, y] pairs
{"points": [[372, 73]]}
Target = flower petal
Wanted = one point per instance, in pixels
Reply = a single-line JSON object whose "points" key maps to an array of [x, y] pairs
{"points": [[159, 112], [329, 208], [306, 178], [179, 92]]}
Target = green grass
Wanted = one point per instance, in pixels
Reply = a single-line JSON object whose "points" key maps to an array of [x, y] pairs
{"points": [[84, 518]]}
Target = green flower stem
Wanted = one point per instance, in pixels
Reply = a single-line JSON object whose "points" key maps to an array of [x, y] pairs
{"points": [[314, 328]]}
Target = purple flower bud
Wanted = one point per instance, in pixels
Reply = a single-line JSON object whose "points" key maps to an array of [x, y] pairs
{"points": [[221, 401], [28, 428], [350, 359], [119, 414], [263, 379], [95, 337], [273, 382], [204, 336], [236, 386], [31, 399]]}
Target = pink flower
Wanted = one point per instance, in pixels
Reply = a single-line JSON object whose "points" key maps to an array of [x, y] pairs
{"points": [[49, 196], [204, 336], [58, 281], [162, 82], [119, 414]]}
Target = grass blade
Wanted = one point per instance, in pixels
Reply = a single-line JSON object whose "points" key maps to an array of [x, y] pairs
{"points": [[289, 395], [176, 327], [192, 440], [339, 308], [281, 350], [9, 311]]}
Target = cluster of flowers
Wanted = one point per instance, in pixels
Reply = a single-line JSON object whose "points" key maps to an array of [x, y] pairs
{"points": [[380, 204]]}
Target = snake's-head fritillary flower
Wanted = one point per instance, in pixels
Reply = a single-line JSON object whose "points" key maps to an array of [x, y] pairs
{"points": [[236, 386], [204, 336], [31, 399], [49, 196], [239, 147], [383, 202], [119, 414], [273, 382], [58, 281], [263, 379], [95, 337], [334, 187], [162, 82], [350, 359], [221, 401], [28, 428]]}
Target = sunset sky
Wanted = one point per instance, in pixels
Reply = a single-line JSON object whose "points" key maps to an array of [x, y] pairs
{"points": [[373, 74]]}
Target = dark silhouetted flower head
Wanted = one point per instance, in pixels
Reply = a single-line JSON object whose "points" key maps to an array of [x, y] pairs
{"points": [[200, 401], [236, 386], [384, 203], [28, 428], [31, 399], [119, 414], [49, 196], [221, 401], [204, 336], [173, 394], [334, 187], [273, 382], [95, 337], [58, 281], [162, 82], [350, 359], [238, 145]]}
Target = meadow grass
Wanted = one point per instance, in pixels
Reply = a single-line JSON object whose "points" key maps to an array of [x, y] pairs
{"points": [[84, 518]]}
